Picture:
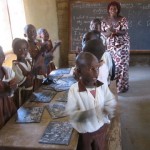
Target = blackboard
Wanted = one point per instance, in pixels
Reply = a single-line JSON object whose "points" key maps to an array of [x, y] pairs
{"points": [[137, 14]]}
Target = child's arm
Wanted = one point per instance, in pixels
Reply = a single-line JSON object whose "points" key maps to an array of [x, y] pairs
{"points": [[56, 44], [23, 77], [39, 67], [9, 84], [75, 113], [4, 88], [110, 103], [7, 88]]}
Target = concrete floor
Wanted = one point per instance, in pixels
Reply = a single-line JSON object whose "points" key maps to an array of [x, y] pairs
{"points": [[135, 110]]}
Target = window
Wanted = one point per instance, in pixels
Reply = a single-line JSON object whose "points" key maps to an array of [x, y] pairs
{"points": [[12, 20]]}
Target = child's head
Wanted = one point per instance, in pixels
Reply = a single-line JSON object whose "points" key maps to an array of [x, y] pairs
{"points": [[90, 36], [43, 34], [95, 47], [95, 24], [30, 32], [2, 56], [87, 67], [20, 47]]}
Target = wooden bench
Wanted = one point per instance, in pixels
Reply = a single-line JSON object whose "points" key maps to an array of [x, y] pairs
{"points": [[114, 141]]}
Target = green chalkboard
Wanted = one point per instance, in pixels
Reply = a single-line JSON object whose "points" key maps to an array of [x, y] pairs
{"points": [[137, 14]]}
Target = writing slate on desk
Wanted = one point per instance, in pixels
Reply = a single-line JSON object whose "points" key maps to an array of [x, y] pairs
{"points": [[137, 14]]}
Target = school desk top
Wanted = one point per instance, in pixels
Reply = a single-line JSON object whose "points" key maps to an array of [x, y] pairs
{"points": [[17, 136], [26, 136]]}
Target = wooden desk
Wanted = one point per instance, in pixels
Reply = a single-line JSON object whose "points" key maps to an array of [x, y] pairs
{"points": [[15, 136]]}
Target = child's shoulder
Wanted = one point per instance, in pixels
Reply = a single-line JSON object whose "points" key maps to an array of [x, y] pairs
{"points": [[74, 86]]}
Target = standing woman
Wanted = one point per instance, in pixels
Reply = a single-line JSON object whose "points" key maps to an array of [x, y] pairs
{"points": [[115, 27]]}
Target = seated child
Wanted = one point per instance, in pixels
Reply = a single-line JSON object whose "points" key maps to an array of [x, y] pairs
{"points": [[48, 49], [22, 68], [37, 56], [90, 104], [7, 87]]}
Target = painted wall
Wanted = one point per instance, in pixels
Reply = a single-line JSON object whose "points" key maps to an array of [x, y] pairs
{"points": [[43, 13]]}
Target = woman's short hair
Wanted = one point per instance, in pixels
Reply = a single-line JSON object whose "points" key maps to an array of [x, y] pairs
{"points": [[114, 3]]}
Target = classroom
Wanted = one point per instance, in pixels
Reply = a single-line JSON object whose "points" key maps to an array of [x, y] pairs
{"points": [[66, 22]]}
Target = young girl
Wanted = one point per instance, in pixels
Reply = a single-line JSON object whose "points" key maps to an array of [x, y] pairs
{"points": [[48, 49], [90, 104], [7, 87], [22, 68], [39, 69]]}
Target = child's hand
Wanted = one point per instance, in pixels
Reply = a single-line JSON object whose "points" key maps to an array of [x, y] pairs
{"points": [[29, 81], [4, 86], [57, 43], [13, 84], [105, 111]]}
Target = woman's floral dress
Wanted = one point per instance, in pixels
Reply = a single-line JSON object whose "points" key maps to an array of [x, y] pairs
{"points": [[119, 46]]}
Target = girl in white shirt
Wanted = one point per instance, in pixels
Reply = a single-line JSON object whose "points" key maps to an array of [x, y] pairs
{"points": [[22, 68]]}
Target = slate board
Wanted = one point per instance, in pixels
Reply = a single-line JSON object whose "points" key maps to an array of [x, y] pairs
{"points": [[63, 84], [29, 114], [61, 71], [44, 96], [63, 97], [56, 110], [57, 133]]}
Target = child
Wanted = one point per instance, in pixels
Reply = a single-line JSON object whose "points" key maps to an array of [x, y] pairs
{"points": [[107, 59], [48, 49], [37, 56], [95, 27], [91, 35], [7, 87], [97, 48], [95, 24], [22, 68], [30, 34], [90, 104]]}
